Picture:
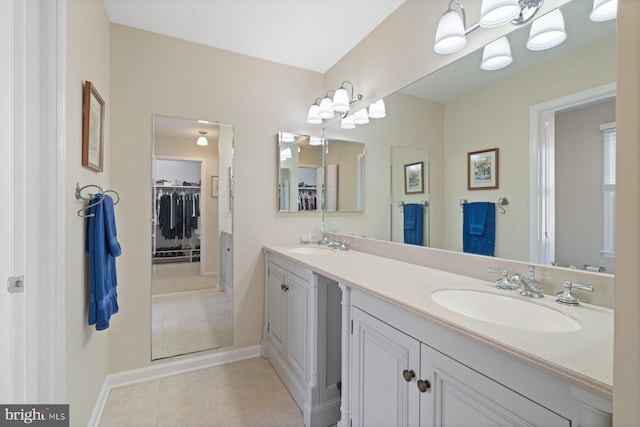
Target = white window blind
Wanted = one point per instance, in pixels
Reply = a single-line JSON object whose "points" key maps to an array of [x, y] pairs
{"points": [[609, 187]]}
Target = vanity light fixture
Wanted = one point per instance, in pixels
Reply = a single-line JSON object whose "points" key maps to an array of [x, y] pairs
{"points": [[377, 110], [547, 31], [202, 140], [326, 107], [496, 55], [604, 10], [451, 31]]}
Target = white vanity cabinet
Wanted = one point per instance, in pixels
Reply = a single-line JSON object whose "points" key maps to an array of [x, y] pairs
{"points": [[301, 337], [288, 300], [398, 378]]}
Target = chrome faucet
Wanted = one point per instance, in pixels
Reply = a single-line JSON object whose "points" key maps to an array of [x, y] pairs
{"points": [[530, 286], [567, 297], [504, 282]]}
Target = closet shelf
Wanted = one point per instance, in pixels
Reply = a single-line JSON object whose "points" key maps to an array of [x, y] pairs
{"points": [[195, 187]]}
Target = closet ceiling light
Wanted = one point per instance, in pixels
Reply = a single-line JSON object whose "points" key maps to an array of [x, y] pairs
{"points": [[314, 140], [496, 55], [547, 31], [604, 10], [377, 110], [202, 140]]}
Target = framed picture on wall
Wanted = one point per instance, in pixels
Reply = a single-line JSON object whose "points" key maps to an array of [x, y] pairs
{"points": [[414, 178], [92, 128], [482, 169]]}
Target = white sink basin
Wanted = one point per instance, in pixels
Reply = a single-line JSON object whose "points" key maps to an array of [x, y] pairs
{"points": [[313, 250], [505, 311]]}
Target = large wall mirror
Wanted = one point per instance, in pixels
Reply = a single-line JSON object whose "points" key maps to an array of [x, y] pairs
{"points": [[191, 248], [545, 110]]}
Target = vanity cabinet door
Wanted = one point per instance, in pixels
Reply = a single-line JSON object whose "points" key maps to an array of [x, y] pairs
{"points": [[381, 358], [459, 396], [296, 344], [275, 310]]}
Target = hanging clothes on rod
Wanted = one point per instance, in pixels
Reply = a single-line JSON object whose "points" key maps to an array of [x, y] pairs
{"points": [[178, 214]]}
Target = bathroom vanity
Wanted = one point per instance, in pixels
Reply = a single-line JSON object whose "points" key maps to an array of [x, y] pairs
{"points": [[372, 327]]}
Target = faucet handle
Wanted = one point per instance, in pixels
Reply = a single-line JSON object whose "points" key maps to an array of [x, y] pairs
{"points": [[503, 282], [345, 245], [567, 297]]}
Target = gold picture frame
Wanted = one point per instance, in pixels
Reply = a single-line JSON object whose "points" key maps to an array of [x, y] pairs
{"points": [[92, 128]]}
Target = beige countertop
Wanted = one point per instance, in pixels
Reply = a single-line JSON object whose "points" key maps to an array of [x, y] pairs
{"points": [[583, 358]]}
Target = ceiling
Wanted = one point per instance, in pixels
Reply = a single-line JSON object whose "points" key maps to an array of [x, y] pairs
{"points": [[308, 34]]}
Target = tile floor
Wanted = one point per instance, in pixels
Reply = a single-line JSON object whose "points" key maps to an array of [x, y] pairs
{"points": [[244, 394], [188, 312]]}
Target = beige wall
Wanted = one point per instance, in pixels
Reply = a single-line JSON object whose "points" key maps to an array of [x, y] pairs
{"points": [[87, 59], [153, 74], [579, 201]]}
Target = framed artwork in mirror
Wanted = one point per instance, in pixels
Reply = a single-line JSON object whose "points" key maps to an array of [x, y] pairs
{"points": [[214, 186], [482, 169], [414, 178], [92, 128]]}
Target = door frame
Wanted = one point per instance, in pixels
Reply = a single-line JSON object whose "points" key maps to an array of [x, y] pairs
{"points": [[541, 165], [37, 143]]}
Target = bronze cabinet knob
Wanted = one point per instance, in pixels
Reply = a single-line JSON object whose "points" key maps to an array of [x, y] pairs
{"points": [[424, 385], [408, 375]]}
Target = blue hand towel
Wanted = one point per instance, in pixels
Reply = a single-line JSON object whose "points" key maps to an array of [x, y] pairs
{"points": [[413, 224], [479, 228], [102, 247]]}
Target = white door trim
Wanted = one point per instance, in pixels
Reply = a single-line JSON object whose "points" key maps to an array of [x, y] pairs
{"points": [[38, 202], [539, 201]]}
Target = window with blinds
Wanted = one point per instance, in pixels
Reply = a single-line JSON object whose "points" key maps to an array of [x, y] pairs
{"points": [[609, 187]]}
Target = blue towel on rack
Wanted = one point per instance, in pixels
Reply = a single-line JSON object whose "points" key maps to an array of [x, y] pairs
{"points": [[102, 247], [479, 228], [413, 224]]}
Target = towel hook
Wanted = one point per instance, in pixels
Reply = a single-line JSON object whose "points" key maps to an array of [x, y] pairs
{"points": [[83, 211], [503, 201]]}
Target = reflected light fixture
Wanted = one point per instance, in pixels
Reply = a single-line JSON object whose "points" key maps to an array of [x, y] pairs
{"points": [[496, 55], [314, 140], [287, 137], [361, 117], [377, 110], [604, 10], [202, 140], [348, 122], [547, 31]]}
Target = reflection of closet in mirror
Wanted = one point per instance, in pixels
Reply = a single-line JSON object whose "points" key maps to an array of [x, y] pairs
{"points": [[400, 157], [299, 173], [191, 290]]}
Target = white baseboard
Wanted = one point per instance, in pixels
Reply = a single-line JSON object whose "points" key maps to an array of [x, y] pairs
{"points": [[164, 369]]}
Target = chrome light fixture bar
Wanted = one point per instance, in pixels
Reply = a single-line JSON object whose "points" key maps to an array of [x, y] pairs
{"points": [[451, 31], [326, 107]]}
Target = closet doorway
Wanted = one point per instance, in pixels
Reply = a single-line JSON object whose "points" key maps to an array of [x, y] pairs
{"points": [[192, 302]]}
